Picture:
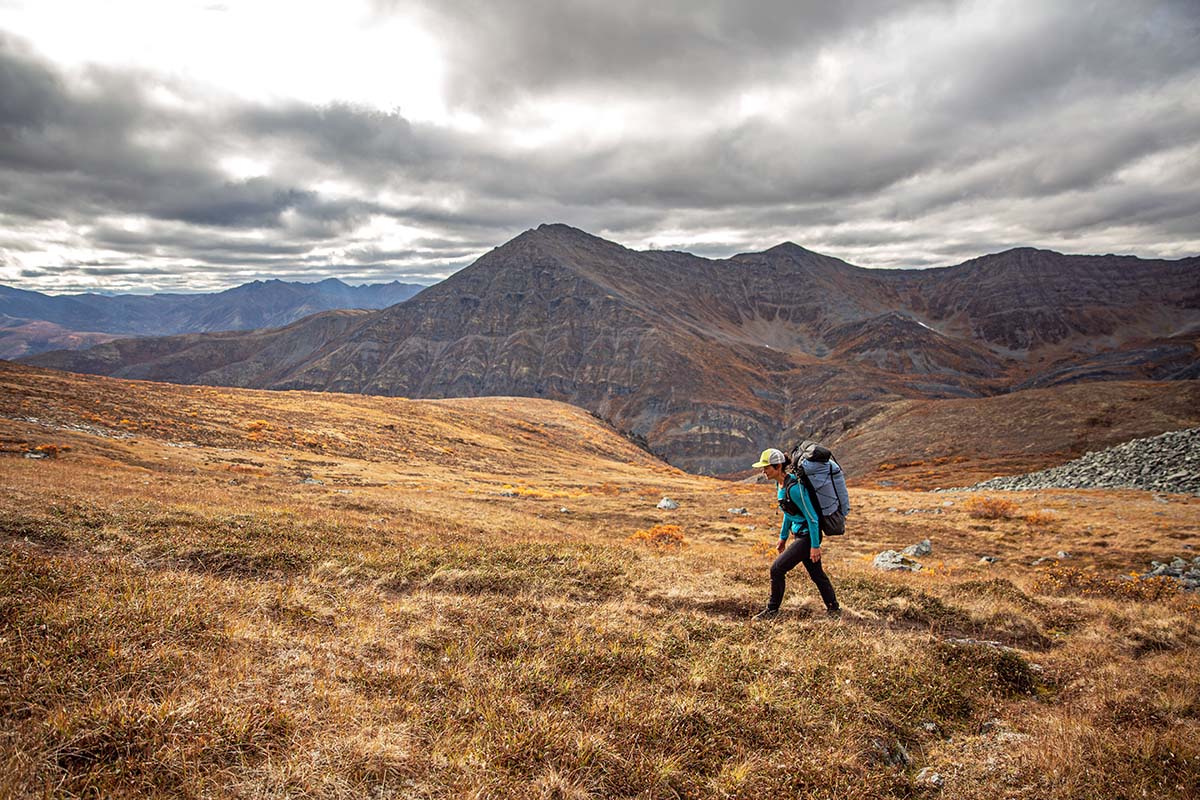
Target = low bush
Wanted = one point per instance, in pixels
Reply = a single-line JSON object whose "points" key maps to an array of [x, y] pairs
{"points": [[1075, 581], [1041, 519], [990, 508], [660, 536], [52, 450], [765, 550]]}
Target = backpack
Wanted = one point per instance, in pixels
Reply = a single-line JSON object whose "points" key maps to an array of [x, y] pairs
{"points": [[815, 468]]}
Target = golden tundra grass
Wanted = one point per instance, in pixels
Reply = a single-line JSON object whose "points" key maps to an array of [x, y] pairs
{"points": [[181, 614]]}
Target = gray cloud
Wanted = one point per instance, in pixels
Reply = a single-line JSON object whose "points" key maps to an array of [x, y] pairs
{"points": [[889, 134], [109, 271], [506, 51]]}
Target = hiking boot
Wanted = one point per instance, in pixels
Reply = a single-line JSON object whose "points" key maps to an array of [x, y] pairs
{"points": [[766, 614], [833, 613]]}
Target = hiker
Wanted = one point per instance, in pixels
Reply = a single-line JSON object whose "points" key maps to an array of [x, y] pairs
{"points": [[799, 518]]}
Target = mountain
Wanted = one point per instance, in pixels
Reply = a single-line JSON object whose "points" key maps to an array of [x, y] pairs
{"points": [[31, 322], [709, 360]]}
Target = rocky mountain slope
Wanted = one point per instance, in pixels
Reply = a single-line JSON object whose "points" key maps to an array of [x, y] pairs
{"points": [[709, 359], [1169, 462], [32, 322]]}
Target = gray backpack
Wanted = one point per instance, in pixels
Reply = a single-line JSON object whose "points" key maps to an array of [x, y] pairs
{"points": [[823, 478]]}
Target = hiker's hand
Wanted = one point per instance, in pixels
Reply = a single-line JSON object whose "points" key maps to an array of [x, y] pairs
{"points": [[782, 545], [815, 554]]}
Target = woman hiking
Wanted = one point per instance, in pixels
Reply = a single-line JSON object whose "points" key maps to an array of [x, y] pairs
{"points": [[799, 518]]}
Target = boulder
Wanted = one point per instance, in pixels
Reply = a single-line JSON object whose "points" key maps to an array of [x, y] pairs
{"points": [[922, 548], [891, 561]]}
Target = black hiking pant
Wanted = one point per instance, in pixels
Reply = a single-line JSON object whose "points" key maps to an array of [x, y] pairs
{"points": [[799, 552]]}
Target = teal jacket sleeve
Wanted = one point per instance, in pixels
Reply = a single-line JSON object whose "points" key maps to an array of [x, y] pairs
{"points": [[800, 498]]}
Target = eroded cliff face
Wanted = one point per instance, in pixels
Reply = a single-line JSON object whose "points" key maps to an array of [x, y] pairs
{"points": [[710, 361]]}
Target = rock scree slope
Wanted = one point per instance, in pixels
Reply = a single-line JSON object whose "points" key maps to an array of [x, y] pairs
{"points": [[1169, 462]]}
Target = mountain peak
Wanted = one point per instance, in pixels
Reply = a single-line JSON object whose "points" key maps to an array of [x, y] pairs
{"points": [[789, 247], [559, 232], [559, 242], [560, 227]]}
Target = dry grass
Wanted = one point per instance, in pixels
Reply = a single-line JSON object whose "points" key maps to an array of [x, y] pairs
{"points": [[169, 627]]}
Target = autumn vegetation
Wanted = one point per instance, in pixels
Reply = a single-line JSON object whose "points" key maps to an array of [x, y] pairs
{"points": [[224, 593]]}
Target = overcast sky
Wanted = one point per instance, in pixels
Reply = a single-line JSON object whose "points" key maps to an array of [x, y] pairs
{"points": [[165, 145]]}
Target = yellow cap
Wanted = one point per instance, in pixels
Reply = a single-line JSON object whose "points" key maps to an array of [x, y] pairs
{"points": [[770, 456]]}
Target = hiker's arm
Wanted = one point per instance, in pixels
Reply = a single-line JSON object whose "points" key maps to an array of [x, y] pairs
{"points": [[800, 498]]}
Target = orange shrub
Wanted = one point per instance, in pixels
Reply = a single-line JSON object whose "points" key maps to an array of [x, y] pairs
{"points": [[1041, 519], [766, 550], [533, 492], [886, 467], [990, 508], [660, 536], [258, 425]]}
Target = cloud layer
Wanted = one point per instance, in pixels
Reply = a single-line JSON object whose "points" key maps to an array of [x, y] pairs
{"points": [[888, 134]]}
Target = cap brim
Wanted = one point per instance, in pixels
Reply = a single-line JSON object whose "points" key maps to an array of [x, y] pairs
{"points": [[759, 464]]}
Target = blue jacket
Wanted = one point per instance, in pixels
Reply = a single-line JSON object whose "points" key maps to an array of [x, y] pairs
{"points": [[802, 524]]}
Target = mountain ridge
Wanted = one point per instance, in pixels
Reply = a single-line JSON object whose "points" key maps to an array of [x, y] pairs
{"points": [[78, 319], [708, 358]]}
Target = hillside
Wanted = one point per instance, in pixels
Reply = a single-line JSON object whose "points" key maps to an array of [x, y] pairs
{"points": [[210, 591], [22, 337], [705, 359], [33, 322], [931, 443]]}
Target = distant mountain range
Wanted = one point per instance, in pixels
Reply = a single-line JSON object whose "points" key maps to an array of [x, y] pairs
{"points": [[32, 322], [708, 360]]}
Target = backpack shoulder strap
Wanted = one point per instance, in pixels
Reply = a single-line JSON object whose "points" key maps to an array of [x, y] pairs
{"points": [[786, 503], [811, 491]]}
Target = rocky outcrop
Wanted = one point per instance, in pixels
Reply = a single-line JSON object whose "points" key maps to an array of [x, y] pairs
{"points": [[1184, 572]]}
